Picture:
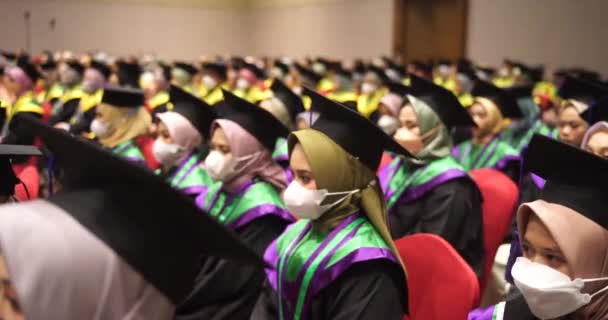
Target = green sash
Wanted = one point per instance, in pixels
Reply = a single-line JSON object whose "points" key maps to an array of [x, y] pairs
{"points": [[281, 151], [306, 261], [496, 154], [402, 184], [129, 151], [189, 177], [252, 200]]}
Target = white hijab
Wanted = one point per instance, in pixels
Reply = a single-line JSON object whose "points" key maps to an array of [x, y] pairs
{"points": [[61, 271]]}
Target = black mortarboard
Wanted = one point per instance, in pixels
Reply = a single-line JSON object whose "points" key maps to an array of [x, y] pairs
{"points": [[49, 65], [101, 67], [597, 112], [199, 113], [190, 69], [30, 69], [8, 179], [257, 121], [309, 74], [398, 88], [379, 72], [520, 91], [76, 66], [292, 101], [443, 102], [281, 66], [259, 73], [583, 90], [504, 101], [219, 68], [356, 134], [10, 56], [128, 74], [426, 68], [123, 97], [156, 229], [575, 178], [534, 74]]}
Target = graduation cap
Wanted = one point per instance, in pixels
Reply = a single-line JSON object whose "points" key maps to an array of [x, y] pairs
{"points": [[503, 100], [11, 56], [575, 178], [584, 90], [398, 88], [379, 72], [8, 179], [443, 102], [101, 67], [281, 66], [123, 97], [534, 74], [128, 74], [426, 68], [76, 66], [217, 68], [29, 69], [259, 73], [520, 91], [156, 229], [190, 69], [257, 121], [49, 65], [353, 132], [308, 73], [199, 113], [596, 112], [292, 101]]}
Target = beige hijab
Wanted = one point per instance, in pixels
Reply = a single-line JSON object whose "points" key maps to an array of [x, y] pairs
{"points": [[584, 244], [62, 272], [127, 123], [497, 120], [337, 171]]}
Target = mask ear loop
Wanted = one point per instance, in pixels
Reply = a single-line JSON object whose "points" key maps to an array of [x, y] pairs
{"points": [[599, 291]]}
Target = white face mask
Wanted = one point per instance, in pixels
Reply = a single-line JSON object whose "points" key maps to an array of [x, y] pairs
{"points": [[388, 124], [306, 204], [224, 168], [367, 88], [242, 84], [100, 129], [549, 293], [209, 82], [167, 154]]}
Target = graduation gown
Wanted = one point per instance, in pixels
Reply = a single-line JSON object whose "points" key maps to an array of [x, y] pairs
{"points": [[26, 104], [515, 309], [228, 290], [80, 122], [159, 103], [355, 278], [67, 105], [439, 198], [188, 176], [496, 154], [129, 151]]}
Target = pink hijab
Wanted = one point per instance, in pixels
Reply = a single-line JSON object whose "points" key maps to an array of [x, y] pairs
{"points": [[243, 144], [62, 271], [600, 126], [181, 130], [19, 76]]}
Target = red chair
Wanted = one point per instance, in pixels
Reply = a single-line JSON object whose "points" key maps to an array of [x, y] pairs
{"points": [[441, 285], [28, 174], [500, 195], [145, 144]]}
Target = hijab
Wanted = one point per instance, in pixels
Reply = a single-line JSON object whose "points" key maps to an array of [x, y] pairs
{"points": [[337, 171], [393, 103], [21, 78], [127, 123], [243, 144], [437, 141], [584, 244], [600, 126], [181, 130], [62, 271], [497, 121], [310, 117]]}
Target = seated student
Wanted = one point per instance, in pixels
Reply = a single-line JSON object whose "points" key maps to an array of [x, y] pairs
{"points": [[214, 79], [181, 132], [372, 90], [491, 110], [338, 261], [248, 83], [70, 78], [94, 79], [247, 201], [563, 273], [119, 120], [433, 193], [182, 75], [155, 83], [92, 252]]}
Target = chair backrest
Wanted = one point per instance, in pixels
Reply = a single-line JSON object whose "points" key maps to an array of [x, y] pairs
{"points": [[145, 145], [500, 195], [441, 285], [28, 174]]}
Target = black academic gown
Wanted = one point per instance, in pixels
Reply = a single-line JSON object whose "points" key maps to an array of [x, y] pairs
{"points": [[83, 123], [517, 309], [452, 210], [369, 290], [226, 289], [65, 111]]}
